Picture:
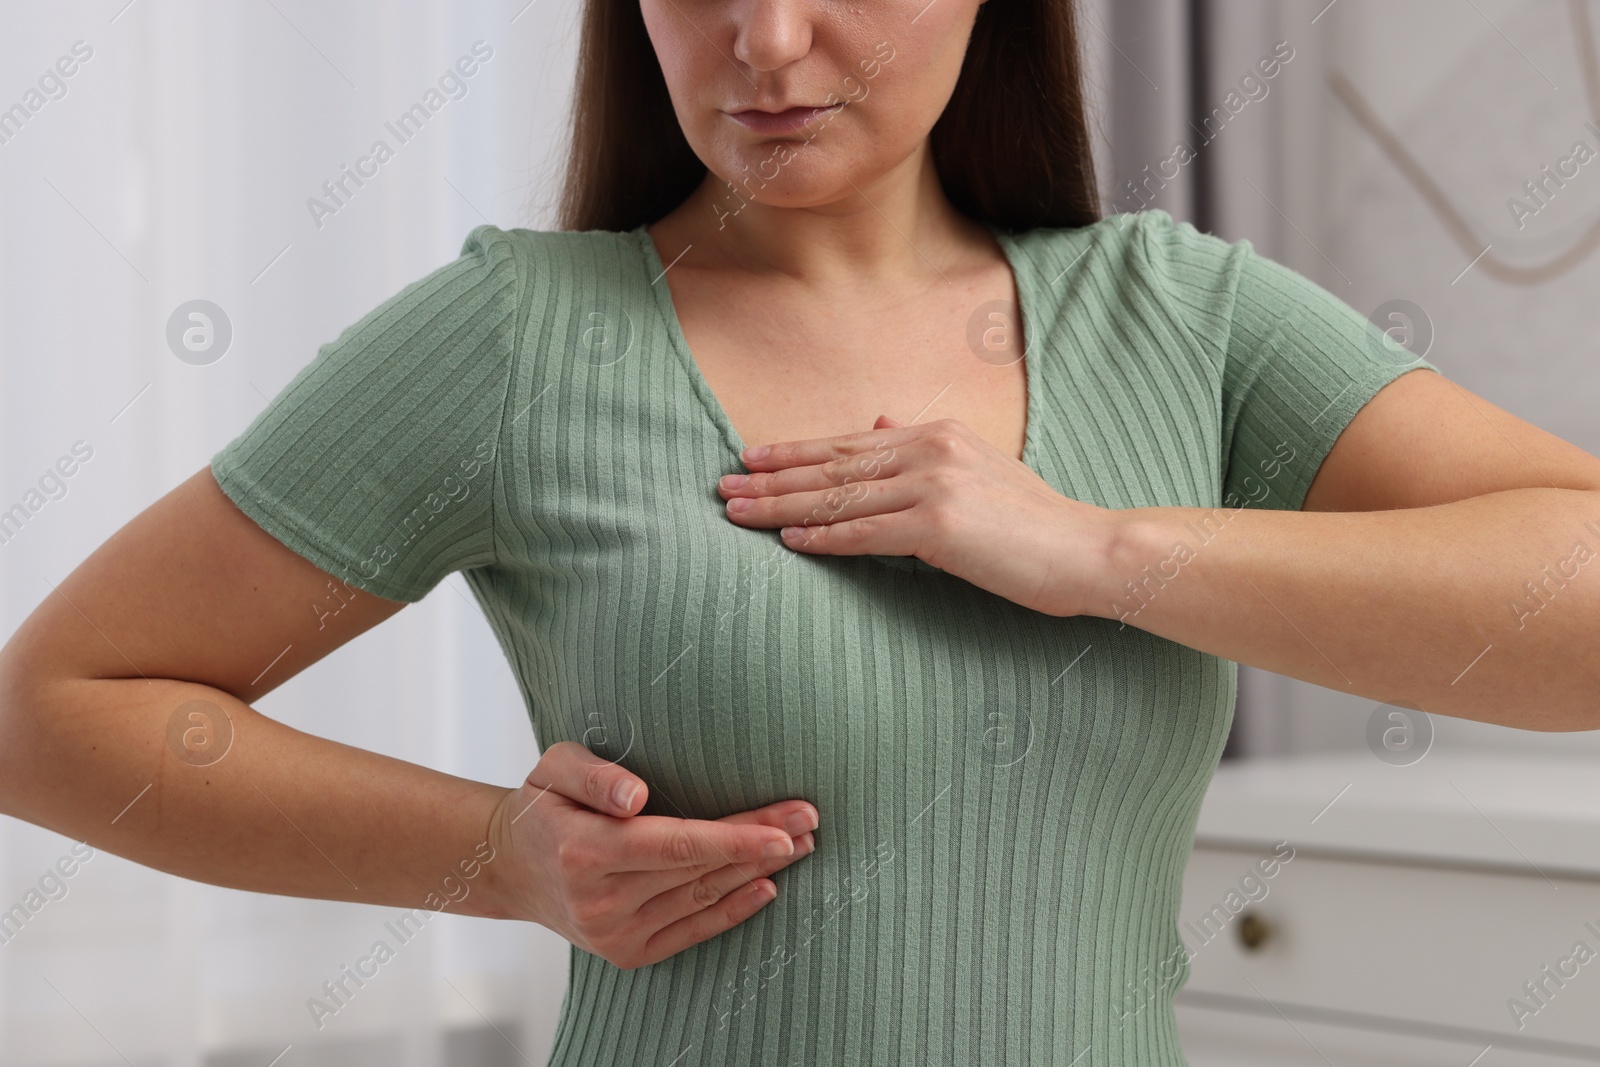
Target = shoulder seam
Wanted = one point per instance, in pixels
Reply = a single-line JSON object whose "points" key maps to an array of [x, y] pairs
{"points": [[1142, 238], [519, 327]]}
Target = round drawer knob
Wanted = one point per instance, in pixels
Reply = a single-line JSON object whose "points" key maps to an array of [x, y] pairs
{"points": [[1254, 931]]}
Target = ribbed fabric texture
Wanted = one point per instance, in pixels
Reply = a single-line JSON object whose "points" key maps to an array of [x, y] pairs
{"points": [[1007, 799]]}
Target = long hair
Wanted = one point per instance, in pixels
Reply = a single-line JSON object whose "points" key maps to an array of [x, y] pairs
{"points": [[1012, 147]]}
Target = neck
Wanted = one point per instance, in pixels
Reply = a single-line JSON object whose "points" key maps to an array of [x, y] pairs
{"points": [[899, 226]]}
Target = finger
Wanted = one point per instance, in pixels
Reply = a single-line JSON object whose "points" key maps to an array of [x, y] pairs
{"points": [[660, 843], [568, 768], [843, 472], [885, 422], [823, 506], [700, 893], [896, 534], [822, 449], [729, 912], [794, 816]]}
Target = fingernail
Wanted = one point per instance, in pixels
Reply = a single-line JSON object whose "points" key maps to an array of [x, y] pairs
{"points": [[807, 842], [732, 481], [783, 846], [756, 451], [800, 822], [740, 503], [624, 792]]}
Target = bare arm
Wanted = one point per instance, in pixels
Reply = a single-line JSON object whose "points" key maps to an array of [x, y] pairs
{"points": [[1443, 560], [192, 602]]}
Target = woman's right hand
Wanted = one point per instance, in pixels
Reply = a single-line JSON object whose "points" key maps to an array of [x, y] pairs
{"points": [[632, 889]]}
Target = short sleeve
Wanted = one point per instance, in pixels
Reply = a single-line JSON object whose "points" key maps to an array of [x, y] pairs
{"points": [[1296, 362], [378, 461]]}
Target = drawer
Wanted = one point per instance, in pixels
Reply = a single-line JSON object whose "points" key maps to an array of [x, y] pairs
{"points": [[1435, 951], [1214, 1037]]}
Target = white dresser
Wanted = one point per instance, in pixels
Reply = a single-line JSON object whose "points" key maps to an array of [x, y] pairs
{"points": [[1418, 907]]}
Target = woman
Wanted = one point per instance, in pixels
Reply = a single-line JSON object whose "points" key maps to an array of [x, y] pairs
{"points": [[1047, 477]]}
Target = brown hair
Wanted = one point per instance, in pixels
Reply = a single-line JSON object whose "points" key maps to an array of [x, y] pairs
{"points": [[1011, 148]]}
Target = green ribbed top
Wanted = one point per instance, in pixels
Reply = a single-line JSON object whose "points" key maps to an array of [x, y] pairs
{"points": [[1007, 799]]}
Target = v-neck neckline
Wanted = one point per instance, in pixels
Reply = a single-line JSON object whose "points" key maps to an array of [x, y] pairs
{"points": [[719, 415]]}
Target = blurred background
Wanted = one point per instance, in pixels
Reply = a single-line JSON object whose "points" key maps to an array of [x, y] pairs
{"points": [[180, 163]]}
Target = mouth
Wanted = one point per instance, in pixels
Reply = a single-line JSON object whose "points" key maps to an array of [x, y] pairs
{"points": [[787, 121]]}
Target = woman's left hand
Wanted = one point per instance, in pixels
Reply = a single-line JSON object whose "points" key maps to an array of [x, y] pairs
{"points": [[941, 493]]}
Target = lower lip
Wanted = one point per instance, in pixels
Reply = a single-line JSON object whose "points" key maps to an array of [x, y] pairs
{"points": [[796, 118]]}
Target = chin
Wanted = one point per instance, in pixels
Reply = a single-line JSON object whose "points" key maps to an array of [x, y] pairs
{"points": [[789, 191]]}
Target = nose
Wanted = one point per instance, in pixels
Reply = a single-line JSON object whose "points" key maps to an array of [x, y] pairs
{"points": [[771, 33]]}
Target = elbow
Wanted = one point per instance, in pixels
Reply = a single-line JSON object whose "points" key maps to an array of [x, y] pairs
{"points": [[29, 703], [16, 699]]}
